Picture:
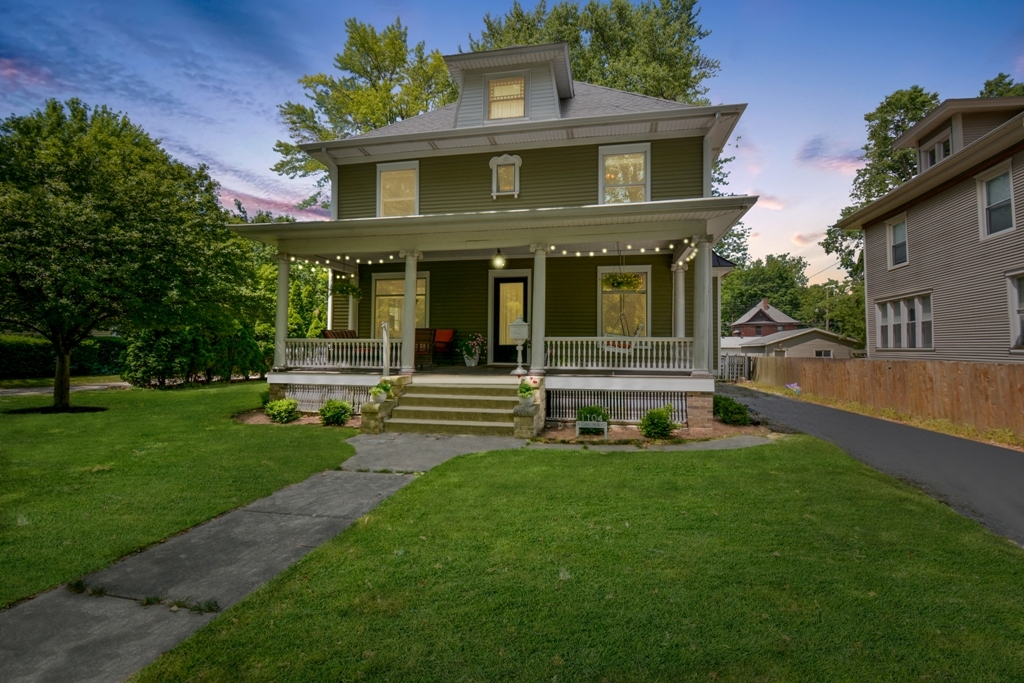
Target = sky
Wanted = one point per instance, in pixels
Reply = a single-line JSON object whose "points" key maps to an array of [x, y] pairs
{"points": [[206, 78]]}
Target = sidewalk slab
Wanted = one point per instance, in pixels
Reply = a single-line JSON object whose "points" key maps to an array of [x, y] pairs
{"points": [[60, 636], [332, 494]]}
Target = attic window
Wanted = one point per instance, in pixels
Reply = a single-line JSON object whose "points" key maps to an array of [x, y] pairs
{"points": [[506, 98], [505, 175]]}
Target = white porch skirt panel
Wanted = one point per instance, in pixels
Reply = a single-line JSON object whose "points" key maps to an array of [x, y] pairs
{"points": [[311, 397], [622, 405]]}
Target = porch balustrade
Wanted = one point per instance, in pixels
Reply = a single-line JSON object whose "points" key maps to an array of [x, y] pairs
{"points": [[340, 354], [618, 353]]}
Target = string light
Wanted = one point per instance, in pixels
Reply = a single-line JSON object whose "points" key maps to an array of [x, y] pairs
{"points": [[629, 246], [657, 249], [604, 251], [563, 252], [391, 256], [671, 246], [357, 260], [382, 260], [591, 253], [346, 257], [642, 250], [577, 253], [293, 258]]}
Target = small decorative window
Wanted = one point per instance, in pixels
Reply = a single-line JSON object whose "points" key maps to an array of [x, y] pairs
{"points": [[505, 175], [623, 174], [822, 353], [995, 201], [897, 242], [398, 189], [506, 98]]}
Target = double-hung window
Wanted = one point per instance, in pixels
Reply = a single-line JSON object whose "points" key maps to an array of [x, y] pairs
{"points": [[624, 174], [398, 189], [904, 323], [506, 98], [995, 201], [897, 238]]}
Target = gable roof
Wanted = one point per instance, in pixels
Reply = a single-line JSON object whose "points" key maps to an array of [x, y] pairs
{"points": [[555, 53], [773, 313], [719, 261], [789, 334]]}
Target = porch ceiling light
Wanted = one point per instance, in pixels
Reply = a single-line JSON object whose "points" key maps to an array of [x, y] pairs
{"points": [[498, 261]]}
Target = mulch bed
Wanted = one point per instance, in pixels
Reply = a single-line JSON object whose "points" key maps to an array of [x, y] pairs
{"points": [[565, 432], [258, 417]]}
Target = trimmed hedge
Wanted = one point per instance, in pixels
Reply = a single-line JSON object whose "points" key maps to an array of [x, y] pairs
{"points": [[24, 357]]}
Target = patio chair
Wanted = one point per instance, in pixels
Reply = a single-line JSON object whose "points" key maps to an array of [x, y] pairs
{"points": [[444, 345], [424, 346]]}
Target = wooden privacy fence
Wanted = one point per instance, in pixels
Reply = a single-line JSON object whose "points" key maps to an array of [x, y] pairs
{"points": [[983, 395]]}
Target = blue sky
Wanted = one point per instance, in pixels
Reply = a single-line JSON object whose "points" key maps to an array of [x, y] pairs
{"points": [[206, 77]]}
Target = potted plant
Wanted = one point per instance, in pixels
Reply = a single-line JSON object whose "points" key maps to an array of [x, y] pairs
{"points": [[525, 392], [378, 393], [471, 347], [624, 281]]}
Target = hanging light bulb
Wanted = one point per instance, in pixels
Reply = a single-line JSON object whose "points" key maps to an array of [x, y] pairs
{"points": [[498, 261], [293, 258], [671, 246], [563, 252]]}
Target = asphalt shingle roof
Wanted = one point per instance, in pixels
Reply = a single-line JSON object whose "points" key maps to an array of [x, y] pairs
{"points": [[775, 314]]}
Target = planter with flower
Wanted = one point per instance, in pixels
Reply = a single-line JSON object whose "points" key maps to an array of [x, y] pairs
{"points": [[624, 281], [471, 347], [380, 391], [525, 391]]}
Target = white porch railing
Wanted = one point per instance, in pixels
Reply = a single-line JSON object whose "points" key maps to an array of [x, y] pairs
{"points": [[618, 353], [341, 354]]}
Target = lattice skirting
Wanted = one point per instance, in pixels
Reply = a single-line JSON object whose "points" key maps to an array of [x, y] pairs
{"points": [[311, 397], [622, 405]]}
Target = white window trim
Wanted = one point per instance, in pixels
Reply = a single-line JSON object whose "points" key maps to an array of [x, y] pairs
{"points": [[525, 75], [601, 270], [902, 218], [397, 275], [505, 160], [981, 179], [934, 144], [606, 150], [399, 166], [916, 295], [1011, 290]]}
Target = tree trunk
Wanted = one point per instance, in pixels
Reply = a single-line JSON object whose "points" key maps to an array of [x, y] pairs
{"points": [[62, 381]]}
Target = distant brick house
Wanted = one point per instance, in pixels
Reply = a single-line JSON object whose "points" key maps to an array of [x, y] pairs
{"points": [[762, 320]]}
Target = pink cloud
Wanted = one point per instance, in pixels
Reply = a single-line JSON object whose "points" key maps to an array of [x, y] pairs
{"points": [[767, 201], [755, 235], [826, 155], [802, 239], [17, 74], [277, 206]]}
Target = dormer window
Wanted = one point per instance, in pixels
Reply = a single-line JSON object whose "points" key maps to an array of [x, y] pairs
{"points": [[935, 150], [506, 98]]}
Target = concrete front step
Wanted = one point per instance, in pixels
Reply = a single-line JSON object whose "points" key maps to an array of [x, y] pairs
{"points": [[459, 401], [449, 427], [460, 389], [469, 414]]}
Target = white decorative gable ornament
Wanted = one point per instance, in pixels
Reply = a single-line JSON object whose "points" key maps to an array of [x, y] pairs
{"points": [[505, 175]]}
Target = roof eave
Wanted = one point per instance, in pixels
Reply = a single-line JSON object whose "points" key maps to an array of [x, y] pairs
{"points": [[928, 125]]}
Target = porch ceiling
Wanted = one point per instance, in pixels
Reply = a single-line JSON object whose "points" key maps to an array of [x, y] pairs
{"points": [[648, 225]]}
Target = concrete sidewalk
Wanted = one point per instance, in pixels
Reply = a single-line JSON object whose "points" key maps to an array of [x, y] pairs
{"points": [[977, 480]]}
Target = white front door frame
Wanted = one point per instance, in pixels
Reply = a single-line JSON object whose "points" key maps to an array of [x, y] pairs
{"points": [[502, 273]]}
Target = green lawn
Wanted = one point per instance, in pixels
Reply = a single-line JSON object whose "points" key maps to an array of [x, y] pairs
{"points": [[78, 491], [788, 562], [48, 381]]}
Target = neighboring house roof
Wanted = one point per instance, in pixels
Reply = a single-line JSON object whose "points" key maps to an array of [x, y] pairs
{"points": [[590, 101], [770, 339], [972, 159], [718, 261], [775, 314], [730, 342], [938, 118]]}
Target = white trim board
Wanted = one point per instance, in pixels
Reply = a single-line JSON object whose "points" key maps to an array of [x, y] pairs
{"points": [[354, 379], [622, 383]]}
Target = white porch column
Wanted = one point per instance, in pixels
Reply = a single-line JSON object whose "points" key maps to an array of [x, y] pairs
{"points": [[330, 298], [353, 314], [281, 317], [409, 313], [702, 313], [679, 299], [540, 277]]}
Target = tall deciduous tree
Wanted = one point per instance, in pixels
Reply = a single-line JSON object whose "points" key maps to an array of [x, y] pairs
{"points": [[1002, 86], [835, 306], [100, 228], [651, 48], [382, 81], [886, 169], [735, 244], [779, 278]]}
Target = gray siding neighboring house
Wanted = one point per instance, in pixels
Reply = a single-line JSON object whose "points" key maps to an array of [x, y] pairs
{"points": [[810, 342], [954, 293]]}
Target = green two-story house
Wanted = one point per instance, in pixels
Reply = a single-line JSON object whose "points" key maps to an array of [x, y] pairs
{"points": [[584, 211]]}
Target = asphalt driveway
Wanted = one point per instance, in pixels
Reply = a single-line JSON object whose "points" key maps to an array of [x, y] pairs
{"points": [[978, 480]]}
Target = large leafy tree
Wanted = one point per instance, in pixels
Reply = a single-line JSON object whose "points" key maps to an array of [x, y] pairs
{"points": [[1002, 86], [651, 48], [886, 168], [382, 80], [779, 278], [835, 306], [735, 244], [100, 228]]}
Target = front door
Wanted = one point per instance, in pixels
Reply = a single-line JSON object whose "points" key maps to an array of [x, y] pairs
{"points": [[509, 304]]}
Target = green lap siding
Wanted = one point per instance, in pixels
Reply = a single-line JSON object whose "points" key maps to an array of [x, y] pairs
{"points": [[550, 177]]}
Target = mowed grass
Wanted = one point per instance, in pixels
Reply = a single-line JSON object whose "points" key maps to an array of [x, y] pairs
{"points": [[787, 562], [80, 490]]}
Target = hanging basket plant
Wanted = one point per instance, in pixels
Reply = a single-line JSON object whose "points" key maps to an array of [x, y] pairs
{"points": [[622, 281], [345, 288]]}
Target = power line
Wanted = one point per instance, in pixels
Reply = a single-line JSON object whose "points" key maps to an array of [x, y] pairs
{"points": [[823, 270]]}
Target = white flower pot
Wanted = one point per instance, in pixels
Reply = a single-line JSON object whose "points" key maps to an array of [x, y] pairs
{"points": [[526, 400], [379, 398], [471, 361]]}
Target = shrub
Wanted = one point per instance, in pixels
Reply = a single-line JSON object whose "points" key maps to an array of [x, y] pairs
{"points": [[335, 413], [591, 414], [657, 423], [265, 397], [730, 411], [27, 357], [283, 411]]}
